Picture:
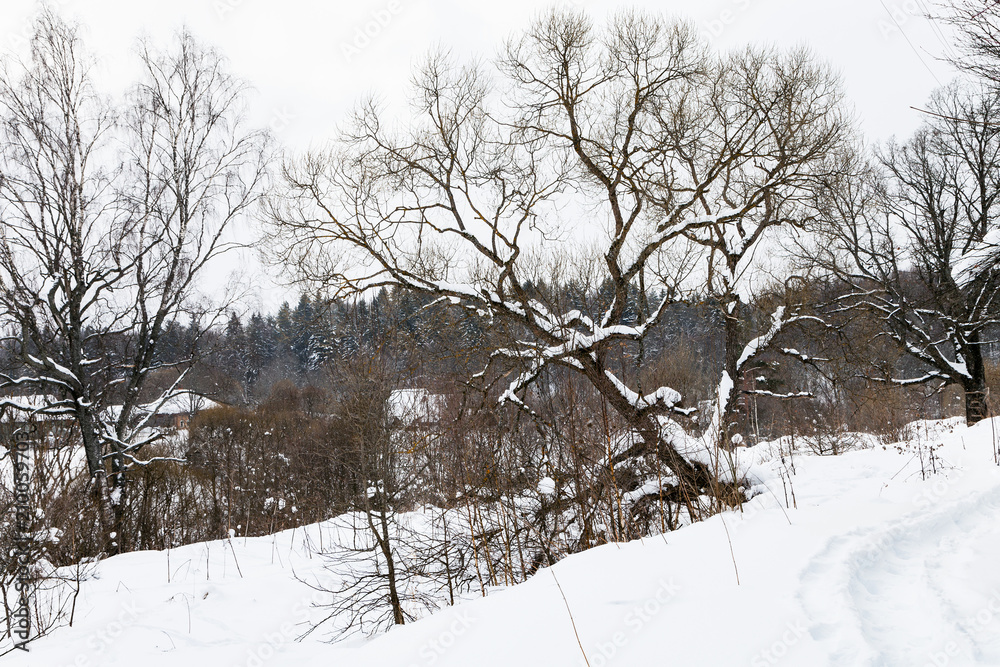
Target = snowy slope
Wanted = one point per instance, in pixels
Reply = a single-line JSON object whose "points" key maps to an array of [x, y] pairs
{"points": [[876, 566]]}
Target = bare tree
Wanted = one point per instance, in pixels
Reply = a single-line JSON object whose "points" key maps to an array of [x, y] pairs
{"points": [[629, 140], [192, 169], [978, 23], [912, 239], [379, 556], [763, 146], [101, 245]]}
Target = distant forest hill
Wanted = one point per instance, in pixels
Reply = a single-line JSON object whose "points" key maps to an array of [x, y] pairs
{"points": [[437, 345], [428, 343]]}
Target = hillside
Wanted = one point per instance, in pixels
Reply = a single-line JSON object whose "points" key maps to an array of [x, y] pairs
{"points": [[876, 566]]}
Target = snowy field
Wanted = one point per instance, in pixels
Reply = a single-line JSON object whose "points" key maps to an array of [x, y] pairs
{"points": [[878, 564]]}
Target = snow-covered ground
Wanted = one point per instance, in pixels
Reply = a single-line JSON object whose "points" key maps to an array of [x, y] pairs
{"points": [[875, 566]]}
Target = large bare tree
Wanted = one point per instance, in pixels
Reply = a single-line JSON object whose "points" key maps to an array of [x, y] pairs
{"points": [[618, 146], [912, 239], [109, 214], [978, 25]]}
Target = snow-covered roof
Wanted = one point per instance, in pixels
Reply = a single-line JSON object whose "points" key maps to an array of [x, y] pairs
{"points": [[180, 403]]}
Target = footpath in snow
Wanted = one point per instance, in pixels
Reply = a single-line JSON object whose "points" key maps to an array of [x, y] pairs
{"points": [[875, 566]]}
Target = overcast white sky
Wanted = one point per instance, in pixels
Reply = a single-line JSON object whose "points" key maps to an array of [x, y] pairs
{"points": [[310, 61]]}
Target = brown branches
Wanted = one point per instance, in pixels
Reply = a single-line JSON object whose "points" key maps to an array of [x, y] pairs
{"points": [[110, 213], [633, 140]]}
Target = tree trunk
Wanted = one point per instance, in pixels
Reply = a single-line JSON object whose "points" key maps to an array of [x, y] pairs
{"points": [[107, 512], [975, 385], [734, 349], [383, 538], [118, 506], [976, 408]]}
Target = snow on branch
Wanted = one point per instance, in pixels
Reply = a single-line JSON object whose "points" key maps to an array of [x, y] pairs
{"points": [[804, 358], [764, 392], [906, 382], [663, 397], [724, 391]]}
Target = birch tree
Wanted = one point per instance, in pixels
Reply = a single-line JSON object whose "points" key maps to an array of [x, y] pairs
{"points": [[109, 214]]}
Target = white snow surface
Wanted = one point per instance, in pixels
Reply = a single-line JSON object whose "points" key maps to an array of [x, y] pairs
{"points": [[876, 566], [547, 486], [416, 405]]}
